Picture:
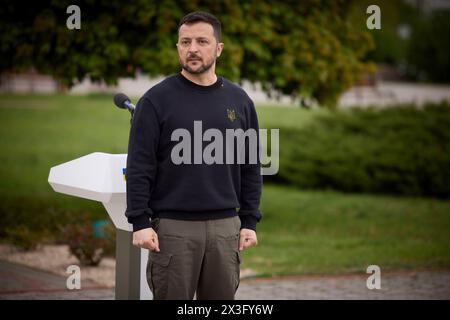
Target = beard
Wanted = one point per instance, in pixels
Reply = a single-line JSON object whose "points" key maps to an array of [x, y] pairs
{"points": [[203, 68]]}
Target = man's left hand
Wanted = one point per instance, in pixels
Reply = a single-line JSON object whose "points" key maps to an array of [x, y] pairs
{"points": [[247, 239]]}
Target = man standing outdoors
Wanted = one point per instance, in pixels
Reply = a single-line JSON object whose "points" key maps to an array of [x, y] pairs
{"points": [[186, 212]]}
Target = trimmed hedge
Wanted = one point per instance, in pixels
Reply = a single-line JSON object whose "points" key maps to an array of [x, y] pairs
{"points": [[396, 150]]}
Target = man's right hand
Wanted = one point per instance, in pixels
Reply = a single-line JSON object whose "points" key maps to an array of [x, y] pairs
{"points": [[147, 239]]}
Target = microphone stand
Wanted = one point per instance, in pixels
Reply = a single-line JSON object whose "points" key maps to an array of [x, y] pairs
{"points": [[131, 118]]}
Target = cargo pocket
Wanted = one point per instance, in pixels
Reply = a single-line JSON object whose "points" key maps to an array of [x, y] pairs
{"points": [[158, 274], [231, 243]]}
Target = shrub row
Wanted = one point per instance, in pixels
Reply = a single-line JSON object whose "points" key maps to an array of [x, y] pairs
{"points": [[397, 150]]}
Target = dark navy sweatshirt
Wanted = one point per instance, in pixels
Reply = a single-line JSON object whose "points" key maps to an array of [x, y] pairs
{"points": [[158, 186]]}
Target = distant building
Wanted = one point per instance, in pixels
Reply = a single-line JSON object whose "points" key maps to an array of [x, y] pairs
{"points": [[27, 82], [428, 6]]}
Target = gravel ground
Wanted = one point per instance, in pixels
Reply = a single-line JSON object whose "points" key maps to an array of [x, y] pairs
{"points": [[423, 285], [405, 285], [98, 282], [56, 259]]}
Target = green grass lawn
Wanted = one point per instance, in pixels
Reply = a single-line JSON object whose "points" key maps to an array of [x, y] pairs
{"points": [[306, 232], [302, 232]]}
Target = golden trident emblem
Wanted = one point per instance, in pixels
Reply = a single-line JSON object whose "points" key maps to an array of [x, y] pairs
{"points": [[231, 114]]}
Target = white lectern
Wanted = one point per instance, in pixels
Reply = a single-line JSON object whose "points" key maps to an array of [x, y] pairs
{"points": [[101, 177]]}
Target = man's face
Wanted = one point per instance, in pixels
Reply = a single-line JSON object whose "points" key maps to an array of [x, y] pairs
{"points": [[197, 47]]}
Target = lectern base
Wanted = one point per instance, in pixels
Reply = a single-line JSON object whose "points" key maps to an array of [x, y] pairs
{"points": [[128, 267]]}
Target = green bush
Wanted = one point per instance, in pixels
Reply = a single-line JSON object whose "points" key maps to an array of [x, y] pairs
{"points": [[83, 243], [396, 150], [109, 247], [41, 215], [23, 238]]}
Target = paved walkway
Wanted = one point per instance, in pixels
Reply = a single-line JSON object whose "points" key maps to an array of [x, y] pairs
{"points": [[20, 282]]}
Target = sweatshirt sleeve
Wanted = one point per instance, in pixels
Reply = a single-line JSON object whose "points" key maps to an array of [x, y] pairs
{"points": [[251, 179], [141, 164]]}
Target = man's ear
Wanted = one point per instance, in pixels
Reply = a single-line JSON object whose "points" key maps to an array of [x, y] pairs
{"points": [[220, 46]]}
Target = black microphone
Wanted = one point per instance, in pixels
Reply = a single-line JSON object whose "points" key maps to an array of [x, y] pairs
{"points": [[123, 102]]}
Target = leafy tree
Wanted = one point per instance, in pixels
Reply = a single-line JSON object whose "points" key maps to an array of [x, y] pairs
{"points": [[390, 46], [429, 52], [305, 48]]}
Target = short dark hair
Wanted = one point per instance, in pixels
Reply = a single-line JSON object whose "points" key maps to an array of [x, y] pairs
{"points": [[200, 16]]}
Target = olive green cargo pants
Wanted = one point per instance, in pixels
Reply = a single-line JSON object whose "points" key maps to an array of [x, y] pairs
{"points": [[196, 257]]}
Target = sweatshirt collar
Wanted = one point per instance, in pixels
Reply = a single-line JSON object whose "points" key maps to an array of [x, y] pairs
{"points": [[198, 87]]}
